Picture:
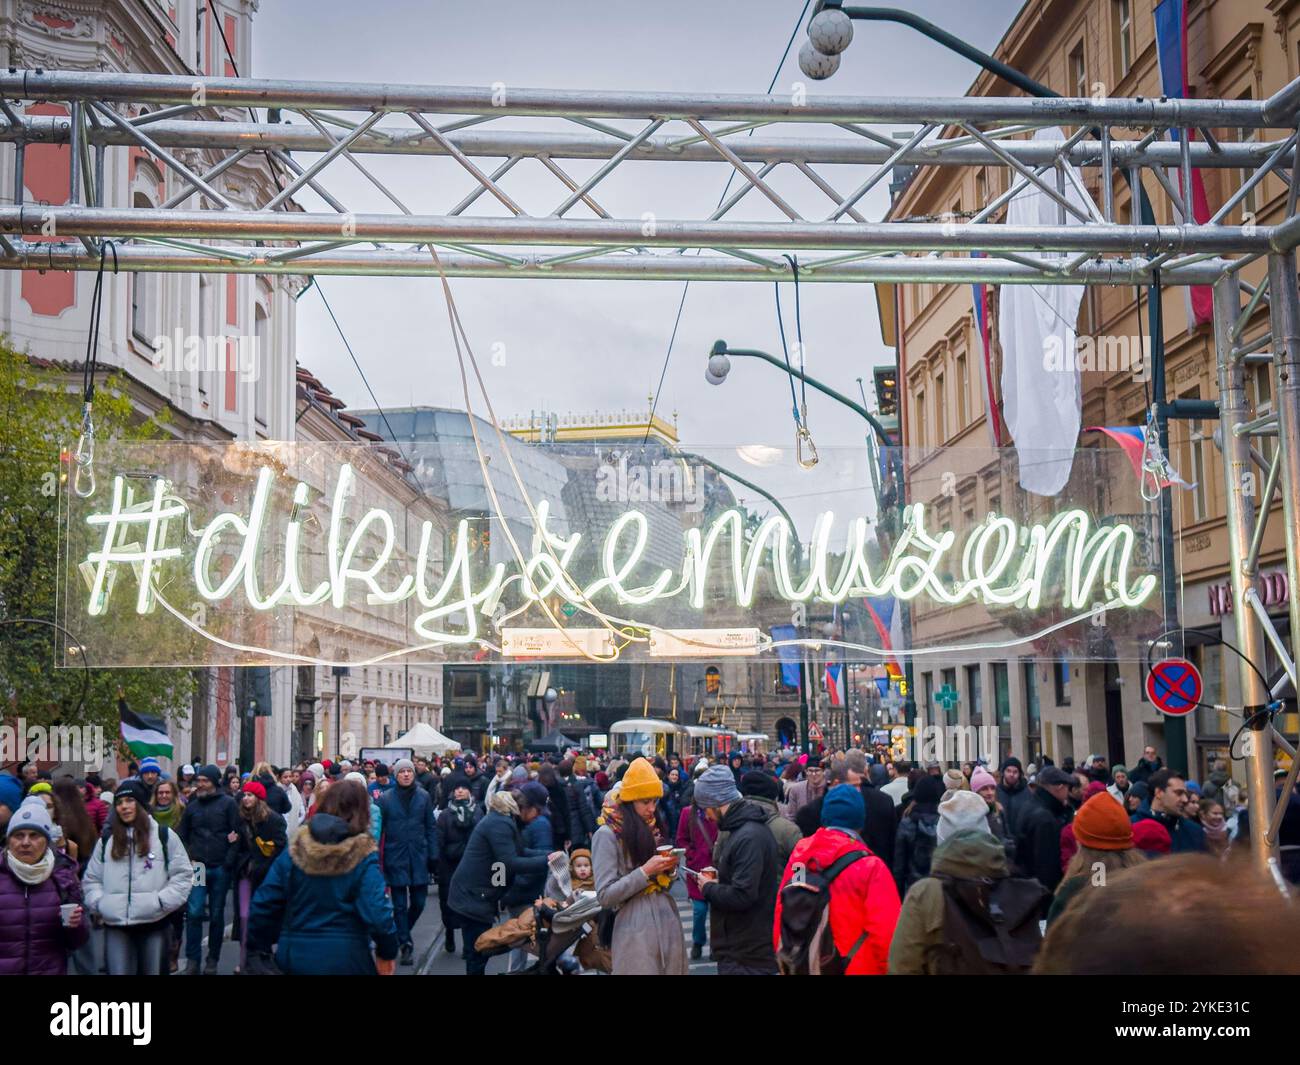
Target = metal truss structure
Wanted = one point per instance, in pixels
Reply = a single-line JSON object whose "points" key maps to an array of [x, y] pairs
{"points": [[197, 129]]}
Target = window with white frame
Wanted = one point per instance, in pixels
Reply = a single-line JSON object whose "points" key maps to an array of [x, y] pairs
{"points": [[261, 357], [145, 312], [1123, 19]]}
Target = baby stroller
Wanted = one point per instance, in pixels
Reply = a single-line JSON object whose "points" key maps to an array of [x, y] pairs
{"points": [[557, 930]]}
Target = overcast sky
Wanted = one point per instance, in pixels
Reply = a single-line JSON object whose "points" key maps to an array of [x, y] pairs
{"points": [[584, 345]]}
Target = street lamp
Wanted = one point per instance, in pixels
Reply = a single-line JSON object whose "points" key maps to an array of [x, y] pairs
{"points": [[893, 497]]}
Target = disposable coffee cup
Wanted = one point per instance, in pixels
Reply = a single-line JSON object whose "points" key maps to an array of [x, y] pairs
{"points": [[666, 851], [66, 910]]}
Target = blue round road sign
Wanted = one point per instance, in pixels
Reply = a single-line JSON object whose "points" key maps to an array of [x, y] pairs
{"points": [[1174, 686]]}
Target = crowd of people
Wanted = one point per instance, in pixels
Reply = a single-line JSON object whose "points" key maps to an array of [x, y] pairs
{"points": [[844, 862]]}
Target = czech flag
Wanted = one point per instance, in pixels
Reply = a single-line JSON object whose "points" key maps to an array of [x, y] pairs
{"points": [[1132, 438], [881, 611], [834, 682]]}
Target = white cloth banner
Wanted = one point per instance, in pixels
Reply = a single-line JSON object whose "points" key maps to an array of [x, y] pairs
{"points": [[1041, 401]]}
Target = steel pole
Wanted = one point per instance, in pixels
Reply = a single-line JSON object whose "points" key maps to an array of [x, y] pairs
{"points": [[1238, 476]]}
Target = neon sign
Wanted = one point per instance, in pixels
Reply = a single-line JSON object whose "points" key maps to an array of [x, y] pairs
{"points": [[1067, 562]]}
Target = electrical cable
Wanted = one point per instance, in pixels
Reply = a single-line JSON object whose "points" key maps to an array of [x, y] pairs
{"points": [[654, 403], [83, 480]]}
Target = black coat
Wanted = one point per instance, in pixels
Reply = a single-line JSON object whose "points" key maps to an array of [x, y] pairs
{"points": [[881, 831], [1038, 838], [918, 835], [205, 828], [410, 841], [496, 844], [1014, 801], [251, 859], [581, 815], [453, 835], [742, 903]]}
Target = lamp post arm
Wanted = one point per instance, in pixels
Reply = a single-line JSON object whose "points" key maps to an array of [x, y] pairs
{"points": [[812, 382], [929, 29], [748, 484]]}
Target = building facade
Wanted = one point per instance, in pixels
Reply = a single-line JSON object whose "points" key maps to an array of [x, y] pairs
{"points": [[217, 352], [1069, 709]]}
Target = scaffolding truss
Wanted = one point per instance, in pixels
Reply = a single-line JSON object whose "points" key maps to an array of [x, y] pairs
{"points": [[197, 129]]}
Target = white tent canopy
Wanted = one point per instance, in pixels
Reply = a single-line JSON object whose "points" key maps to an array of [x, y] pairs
{"points": [[425, 739]]}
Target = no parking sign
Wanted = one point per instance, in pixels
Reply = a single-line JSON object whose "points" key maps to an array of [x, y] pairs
{"points": [[1174, 686]]}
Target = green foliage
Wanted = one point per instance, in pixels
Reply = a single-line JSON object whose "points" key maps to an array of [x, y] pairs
{"points": [[40, 414]]}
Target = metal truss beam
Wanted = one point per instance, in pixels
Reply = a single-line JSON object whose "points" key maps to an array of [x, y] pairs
{"points": [[500, 99], [194, 258]]}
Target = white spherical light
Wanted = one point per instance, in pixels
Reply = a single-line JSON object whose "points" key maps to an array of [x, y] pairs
{"points": [[814, 64], [830, 31], [719, 367]]}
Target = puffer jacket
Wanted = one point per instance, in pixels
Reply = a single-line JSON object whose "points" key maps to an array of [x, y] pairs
{"points": [[864, 899], [324, 902], [134, 890], [918, 835], [258, 846], [696, 834], [33, 941], [496, 844]]}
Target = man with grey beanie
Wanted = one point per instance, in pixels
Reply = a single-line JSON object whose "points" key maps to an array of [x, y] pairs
{"points": [[742, 892], [409, 845]]}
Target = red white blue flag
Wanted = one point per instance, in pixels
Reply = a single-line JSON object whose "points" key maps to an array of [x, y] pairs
{"points": [[834, 682]]}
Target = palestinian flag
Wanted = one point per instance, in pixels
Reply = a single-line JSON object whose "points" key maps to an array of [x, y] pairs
{"points": [[144, 734]]}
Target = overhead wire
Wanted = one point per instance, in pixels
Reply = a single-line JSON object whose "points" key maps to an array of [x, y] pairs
{"points": [[654, 402]]}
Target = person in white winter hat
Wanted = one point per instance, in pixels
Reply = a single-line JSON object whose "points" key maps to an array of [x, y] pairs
{"points": [[962, 809]]}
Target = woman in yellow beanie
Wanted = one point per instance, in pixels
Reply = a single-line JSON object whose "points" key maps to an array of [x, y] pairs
{"points": [[634, 881], [1105, 837]]}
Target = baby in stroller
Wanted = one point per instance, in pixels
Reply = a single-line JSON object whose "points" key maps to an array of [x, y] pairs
{"points": [[562, 935]]}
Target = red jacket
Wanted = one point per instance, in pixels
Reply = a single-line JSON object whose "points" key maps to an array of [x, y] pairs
{"points": [[863, 899]]}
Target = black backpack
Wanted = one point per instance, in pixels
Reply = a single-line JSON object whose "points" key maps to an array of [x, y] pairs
{"points": [[163, 832], [990, 927], [807, 947]]}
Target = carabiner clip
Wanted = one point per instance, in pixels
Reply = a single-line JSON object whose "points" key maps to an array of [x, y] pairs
{"points": [[801, 437], [83, 478]]}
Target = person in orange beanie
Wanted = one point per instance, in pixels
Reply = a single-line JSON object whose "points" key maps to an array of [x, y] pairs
{"points": [[1104, 836]]}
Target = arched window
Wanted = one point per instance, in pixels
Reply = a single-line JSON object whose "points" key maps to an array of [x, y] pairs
{"points": [[712, 681], [144, 296]]}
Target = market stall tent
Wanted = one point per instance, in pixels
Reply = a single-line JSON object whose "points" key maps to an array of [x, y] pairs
{"points": [[423, 738]]}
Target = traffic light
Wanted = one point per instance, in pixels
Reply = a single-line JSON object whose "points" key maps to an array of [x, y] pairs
{"points": [[886, 380]]}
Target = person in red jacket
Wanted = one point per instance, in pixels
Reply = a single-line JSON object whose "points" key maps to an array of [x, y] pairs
{"points": [[864, 898]]}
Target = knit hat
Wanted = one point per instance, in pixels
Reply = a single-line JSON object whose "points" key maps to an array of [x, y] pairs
{"points": [[398, 766], [1011, 760], [131, 789], [150, 765], [381, 770], [764, 785], [981, 779], [254, 787], [843, 807], [641, 782], [715, 787], [187, 770], [41, 787], [962, 809], [356, 777], [534, 794], [1151, 836], [1095, 787], [317, 770], [1118, 769], [1139, 790], [955, 780], [212, 773], [1102, 824], [306, 777], [32, 815]]}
